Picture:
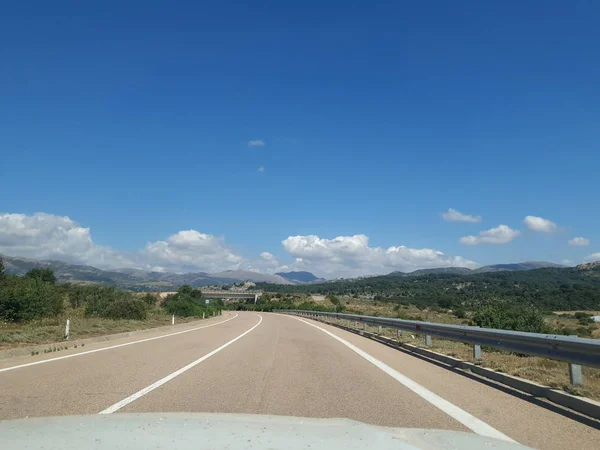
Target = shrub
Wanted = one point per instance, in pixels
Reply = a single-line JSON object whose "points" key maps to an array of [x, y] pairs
{"points": [[514, 318], [126, 308], [97, 299], [182, 306], [460, 313], [24, 298], [581, 315], [584, 318], [187, 302], [584, 331], [149, 299]]}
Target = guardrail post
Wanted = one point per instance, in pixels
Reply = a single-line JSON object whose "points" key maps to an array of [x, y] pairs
{"points": [[575, 375], [428, 340], [380, 330], [477, 352]]}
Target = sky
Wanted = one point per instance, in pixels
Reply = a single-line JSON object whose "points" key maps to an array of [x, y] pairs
{"points": [[343, 138]]}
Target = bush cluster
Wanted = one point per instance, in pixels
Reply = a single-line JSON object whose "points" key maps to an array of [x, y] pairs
{"points": [[514, 318], [188, 302], [36, 295], [28, 298]]}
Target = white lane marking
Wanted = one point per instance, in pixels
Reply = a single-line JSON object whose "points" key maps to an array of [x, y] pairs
{"points": [[471, 422], [134, 397], [6, 369]]}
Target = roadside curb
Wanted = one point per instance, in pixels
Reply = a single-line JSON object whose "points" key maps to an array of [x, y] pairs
{"points": [[583, 405], [26, 351]]}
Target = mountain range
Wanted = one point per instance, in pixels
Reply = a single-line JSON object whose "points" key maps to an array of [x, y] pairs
{"points": [[300, 277], [142, 280], [516, 267]]}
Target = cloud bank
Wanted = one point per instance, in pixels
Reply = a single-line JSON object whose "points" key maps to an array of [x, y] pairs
{"points": [[350, 256], [46, 236]]}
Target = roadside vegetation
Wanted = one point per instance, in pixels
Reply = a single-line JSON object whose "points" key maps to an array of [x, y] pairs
{"points": [[34, 309]]}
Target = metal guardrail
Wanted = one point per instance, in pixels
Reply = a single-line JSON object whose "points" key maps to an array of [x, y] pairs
{"points": [[574, 350]]}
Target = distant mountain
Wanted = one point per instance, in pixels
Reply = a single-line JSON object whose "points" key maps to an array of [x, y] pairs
{"points": [[529, 265], [591, 269], [66, 272], [248, 275], [300, 277]]}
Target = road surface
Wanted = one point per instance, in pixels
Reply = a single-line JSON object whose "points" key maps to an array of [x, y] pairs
{"points": [[263, 363]]}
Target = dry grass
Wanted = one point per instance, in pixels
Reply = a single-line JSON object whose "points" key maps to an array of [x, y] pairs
{"points": [[51, 330]]}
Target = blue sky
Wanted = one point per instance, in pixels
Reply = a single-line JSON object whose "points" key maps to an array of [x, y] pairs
{"points": [[134, 122]]}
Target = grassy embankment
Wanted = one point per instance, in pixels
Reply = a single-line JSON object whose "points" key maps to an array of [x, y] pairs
{"points": [[51, 330]]}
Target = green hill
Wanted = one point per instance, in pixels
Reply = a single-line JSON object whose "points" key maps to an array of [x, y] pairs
{"points": [[546, 288]]}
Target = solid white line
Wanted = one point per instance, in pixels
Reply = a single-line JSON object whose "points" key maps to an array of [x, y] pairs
{"points": [[6, 369], [452, 410], [134, 397]]}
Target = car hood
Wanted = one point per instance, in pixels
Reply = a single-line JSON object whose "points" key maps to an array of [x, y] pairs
{"points": [[200, 431]]}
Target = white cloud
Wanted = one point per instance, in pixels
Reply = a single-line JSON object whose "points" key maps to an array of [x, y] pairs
{"points": [[502, 234], [261, 169], [190, 250], [593, 257], [256, 143], [350, 256], [579, 242], [266, 256], [266, 263], [539, 224], [46, 236], [453, 215], [566, 262]]}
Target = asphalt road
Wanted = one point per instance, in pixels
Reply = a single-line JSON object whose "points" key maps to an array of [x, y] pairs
{"points": [[261, 363]]}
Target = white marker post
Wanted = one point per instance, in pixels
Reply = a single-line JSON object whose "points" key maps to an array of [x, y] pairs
{"points": [[173, 319], [67, 329]]}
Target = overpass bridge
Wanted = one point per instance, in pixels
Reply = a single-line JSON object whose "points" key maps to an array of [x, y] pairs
{"points": [[241, 295]]}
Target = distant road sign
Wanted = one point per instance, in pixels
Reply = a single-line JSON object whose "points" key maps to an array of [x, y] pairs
{"points": [[207, 301]]}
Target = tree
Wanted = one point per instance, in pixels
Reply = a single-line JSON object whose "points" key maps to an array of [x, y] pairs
{"points": [[187, 290], [45, 275], [2, 273]]}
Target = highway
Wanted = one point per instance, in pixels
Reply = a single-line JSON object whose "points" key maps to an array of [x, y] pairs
{"points": [[263, 363]]}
